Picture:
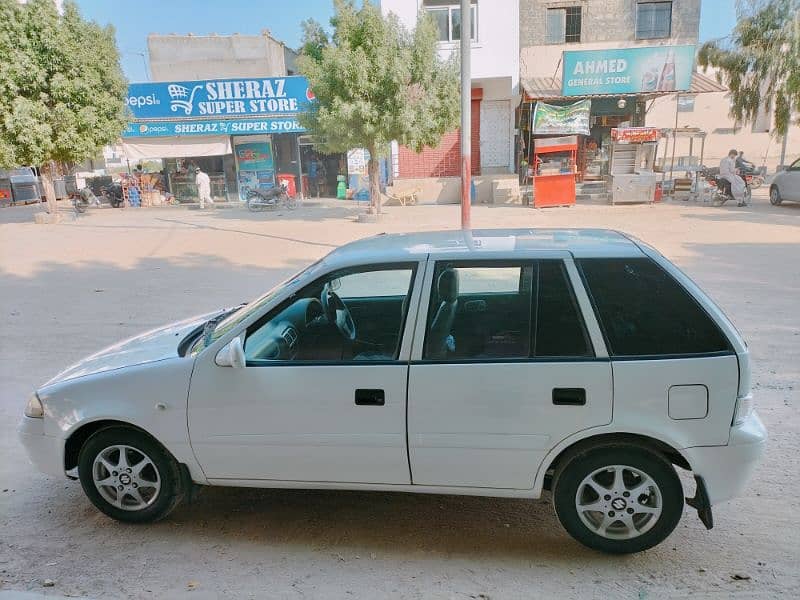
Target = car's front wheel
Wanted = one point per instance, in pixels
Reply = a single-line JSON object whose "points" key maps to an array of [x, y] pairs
{"points": [[129, 476], [618, 499]]}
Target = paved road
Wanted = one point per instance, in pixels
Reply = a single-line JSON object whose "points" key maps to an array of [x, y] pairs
{"points": [[89, 282]]}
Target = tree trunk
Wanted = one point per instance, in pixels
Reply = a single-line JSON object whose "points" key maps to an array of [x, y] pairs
{"points": [[46, 174], [374, 182]]}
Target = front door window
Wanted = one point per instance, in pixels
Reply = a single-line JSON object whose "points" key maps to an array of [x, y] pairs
{"points": [[349, 315]]}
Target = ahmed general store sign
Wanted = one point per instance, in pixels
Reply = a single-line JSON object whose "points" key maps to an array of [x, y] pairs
{"points": [[217, 106]]}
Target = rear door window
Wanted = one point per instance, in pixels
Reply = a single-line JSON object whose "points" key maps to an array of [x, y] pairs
{"points": [[643, 311], [560, 330]]}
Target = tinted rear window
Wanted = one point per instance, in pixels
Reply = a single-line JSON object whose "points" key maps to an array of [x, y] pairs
{"points": [[643, 311]]}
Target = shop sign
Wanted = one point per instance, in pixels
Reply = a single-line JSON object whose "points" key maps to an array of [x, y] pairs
{"points": [[212, 127], [219, 98], [634, 135], [628, 70], [562, 120]]}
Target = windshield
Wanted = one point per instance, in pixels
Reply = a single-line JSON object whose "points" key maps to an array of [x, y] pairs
{"points": [[237, 316]]}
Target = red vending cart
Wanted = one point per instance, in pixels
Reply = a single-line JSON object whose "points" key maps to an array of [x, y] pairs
{"points": [[554, 162]]}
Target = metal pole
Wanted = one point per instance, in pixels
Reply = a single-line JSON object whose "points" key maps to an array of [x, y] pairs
{"points": [[674, 140], [466, 112]]}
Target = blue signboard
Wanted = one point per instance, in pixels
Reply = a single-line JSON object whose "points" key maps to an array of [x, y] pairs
{"points": [[212, 127], [219, 98], [628, 70]]}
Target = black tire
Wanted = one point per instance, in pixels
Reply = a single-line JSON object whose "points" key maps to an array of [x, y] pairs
{"points": [[775, 196], [579, 466], [171, 487]]}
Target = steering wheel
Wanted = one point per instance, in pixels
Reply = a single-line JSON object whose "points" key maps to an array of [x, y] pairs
{"points": [[337, 313]]}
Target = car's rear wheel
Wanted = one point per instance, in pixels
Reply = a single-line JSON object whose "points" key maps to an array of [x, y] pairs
{"points": [[775, 196], [618, 499], [129, 476]]}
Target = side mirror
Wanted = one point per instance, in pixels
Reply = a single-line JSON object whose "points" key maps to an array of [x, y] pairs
{"points": [[232, 355]]}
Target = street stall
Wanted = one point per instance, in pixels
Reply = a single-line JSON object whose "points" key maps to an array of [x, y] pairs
{"points": [[549, 161], [554, 171], [631, 172], [691, 165]]}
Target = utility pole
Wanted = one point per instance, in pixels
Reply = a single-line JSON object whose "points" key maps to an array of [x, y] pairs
{"points": [[466, 99], [783, 147]]}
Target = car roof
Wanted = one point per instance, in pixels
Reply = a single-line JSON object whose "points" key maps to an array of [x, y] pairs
{"points": [[477, 244]]}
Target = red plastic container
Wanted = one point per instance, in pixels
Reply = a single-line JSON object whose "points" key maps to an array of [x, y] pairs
{"points": [[291, 186]]}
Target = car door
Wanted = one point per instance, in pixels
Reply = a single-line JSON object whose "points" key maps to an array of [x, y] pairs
{"points": [[311, 406], [520, 372], [789, 185]]}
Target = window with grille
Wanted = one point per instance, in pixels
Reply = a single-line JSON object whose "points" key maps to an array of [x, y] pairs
{"points": [[653, 20], [564, 25]]}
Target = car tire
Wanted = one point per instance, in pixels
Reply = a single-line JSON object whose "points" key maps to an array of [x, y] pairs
{"points": [[142, 486], [775, 196], [623, 524]]}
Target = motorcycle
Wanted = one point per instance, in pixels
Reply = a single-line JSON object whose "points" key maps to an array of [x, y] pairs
{"points": [[721, 188], [259, 200], [113, 193], [83, 199]]}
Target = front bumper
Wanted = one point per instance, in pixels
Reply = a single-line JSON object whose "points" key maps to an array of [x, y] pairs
{"points": [[726, 469], [44, 451]]}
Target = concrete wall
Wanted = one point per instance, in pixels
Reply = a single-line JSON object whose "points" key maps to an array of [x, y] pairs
{"points": [[190, 57], [606, 21], [711, 114], [447, 190], [604, 24]]}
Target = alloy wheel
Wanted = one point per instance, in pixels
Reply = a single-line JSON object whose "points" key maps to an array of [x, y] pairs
{"points": [[618, 502], [126, 477]]}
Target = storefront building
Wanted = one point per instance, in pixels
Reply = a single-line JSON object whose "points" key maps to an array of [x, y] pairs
{"points": [[243, 132], [619, 55]]}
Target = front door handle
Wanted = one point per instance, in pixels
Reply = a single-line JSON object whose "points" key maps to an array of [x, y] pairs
{"points": [[370, 398], [569, 396]]}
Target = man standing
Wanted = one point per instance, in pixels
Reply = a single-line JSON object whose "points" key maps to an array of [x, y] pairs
{"points": [[203, 187]]}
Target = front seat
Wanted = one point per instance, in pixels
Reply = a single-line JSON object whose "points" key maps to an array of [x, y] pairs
{"points": [[436, 344]]}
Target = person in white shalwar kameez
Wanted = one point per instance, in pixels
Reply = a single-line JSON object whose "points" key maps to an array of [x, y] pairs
{"points": [[727, 171]]}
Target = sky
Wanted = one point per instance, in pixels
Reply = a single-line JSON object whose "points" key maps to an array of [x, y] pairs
{"points": [[134, 20]]}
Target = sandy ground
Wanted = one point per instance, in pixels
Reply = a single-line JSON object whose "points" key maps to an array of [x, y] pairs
{"points": [[69, 289]]}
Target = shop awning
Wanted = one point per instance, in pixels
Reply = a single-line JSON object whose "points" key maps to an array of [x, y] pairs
{"points": [[549, 88], [176, 147]]}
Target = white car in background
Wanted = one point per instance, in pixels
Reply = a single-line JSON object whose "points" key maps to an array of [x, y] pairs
{"points": [[786, 184], [489, 363]]}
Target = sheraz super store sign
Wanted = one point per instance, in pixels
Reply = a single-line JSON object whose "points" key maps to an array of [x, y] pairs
{"points": [[237, 126], [219, 98], [628, 70]]}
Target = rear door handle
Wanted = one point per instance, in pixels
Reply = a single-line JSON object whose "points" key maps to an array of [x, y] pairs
{"points": [[370, 398], [569, 396]]}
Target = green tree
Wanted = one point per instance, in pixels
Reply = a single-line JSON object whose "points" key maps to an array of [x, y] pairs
{"points": [[62, 90], [760, 61], [376, 82], [315, 38]]}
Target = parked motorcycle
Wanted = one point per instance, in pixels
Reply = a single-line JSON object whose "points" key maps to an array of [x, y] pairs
{"points": [[259, 200], [113, 194]]}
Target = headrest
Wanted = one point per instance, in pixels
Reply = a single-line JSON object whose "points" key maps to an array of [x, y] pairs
{"points": [[447, 285]]}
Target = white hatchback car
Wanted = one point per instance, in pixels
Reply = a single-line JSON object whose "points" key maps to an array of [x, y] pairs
{"points": [[492, 363]]}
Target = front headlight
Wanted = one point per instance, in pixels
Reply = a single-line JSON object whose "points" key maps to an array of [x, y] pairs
{"points": [[34, 408]]}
